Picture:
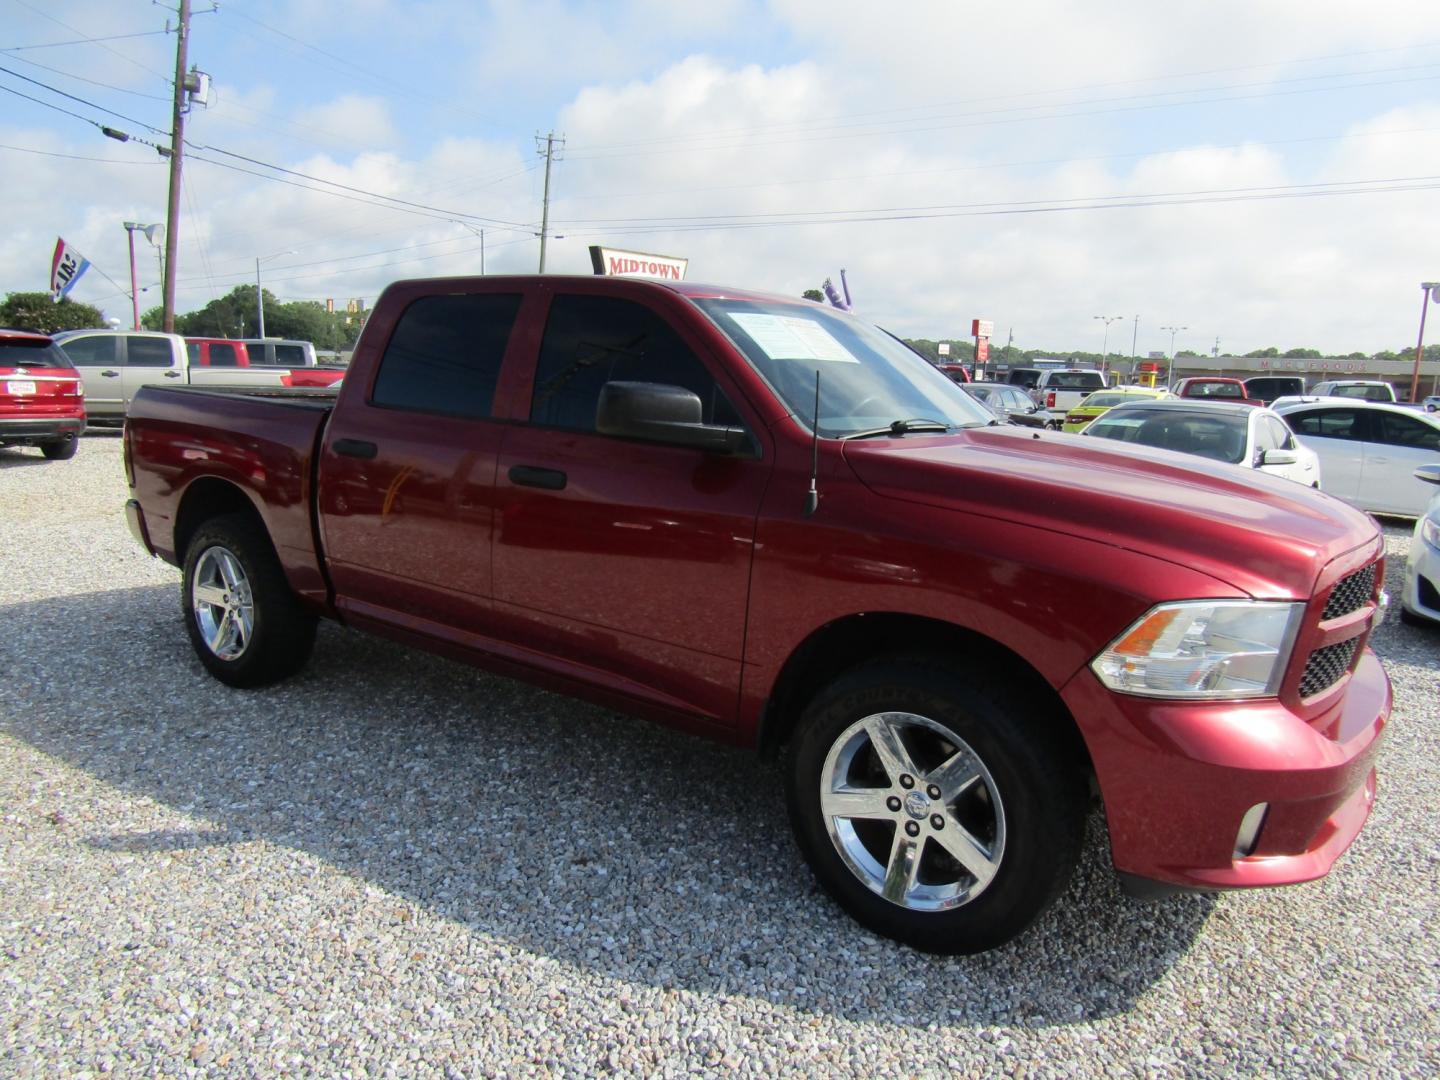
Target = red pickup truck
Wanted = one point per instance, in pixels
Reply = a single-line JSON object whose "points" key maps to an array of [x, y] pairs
{"points": [[768, 522]]}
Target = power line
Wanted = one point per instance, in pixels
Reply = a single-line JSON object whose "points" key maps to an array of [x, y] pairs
{"points": [[72, 157], [79, 41], [92, 82], [82, 101], [360, 191], [97, 40]]}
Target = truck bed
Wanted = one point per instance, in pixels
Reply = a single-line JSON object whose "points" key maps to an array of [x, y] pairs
{"points": [[206, 444]]}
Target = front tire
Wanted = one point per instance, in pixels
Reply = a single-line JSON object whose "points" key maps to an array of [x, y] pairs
{"points": [[244, 622], [940, 805]]}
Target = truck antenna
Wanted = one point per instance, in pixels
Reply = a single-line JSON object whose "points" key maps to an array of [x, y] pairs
{"points": [[812, 497]]}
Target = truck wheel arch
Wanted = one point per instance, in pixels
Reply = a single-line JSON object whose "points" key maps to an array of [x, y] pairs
{"points": [[847, 643], [207, 498]]}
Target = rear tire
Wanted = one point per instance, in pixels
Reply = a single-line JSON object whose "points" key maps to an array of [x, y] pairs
{"points": [[60, 449], [244, 622], [939, 804]]}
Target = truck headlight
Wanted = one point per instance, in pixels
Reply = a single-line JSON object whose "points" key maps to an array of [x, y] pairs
{"points": [[1199, 649]]}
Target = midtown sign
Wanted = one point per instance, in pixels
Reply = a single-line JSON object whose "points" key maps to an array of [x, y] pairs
{"points": [[612, 262]]}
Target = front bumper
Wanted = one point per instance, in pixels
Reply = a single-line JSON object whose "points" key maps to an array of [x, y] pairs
{"points": [[1421, 596], [1178, 779]]}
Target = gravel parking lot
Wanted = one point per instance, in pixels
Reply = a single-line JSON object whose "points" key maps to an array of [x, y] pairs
{"points": [[395, 865]]}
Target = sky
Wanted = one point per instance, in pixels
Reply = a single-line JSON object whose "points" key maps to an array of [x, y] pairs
{"points": [[1257, 174]]}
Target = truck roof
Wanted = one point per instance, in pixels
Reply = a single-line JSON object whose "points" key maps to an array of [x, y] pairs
{"points": [[692, 289]]}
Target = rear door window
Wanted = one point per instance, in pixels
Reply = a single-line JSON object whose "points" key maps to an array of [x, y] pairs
{"points": [[222, 354], [290, 355], [445, 354], [148, 352], [1396, 430]]}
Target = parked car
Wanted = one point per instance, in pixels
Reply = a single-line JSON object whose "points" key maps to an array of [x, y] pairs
{"points": [[115, 364], [1431, 403], [1008, 403], [1369, 450], [1269, 387], [1102, 400], [627, 490], [1245, 435], [1420, 603], [42, 400], [1214, 387], [1364, 389], [216, 352], [1060, 389]]}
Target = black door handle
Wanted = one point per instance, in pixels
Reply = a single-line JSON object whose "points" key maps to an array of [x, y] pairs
{"points": [[531, 476], [358, 448], [110, 374], [172, 374]]}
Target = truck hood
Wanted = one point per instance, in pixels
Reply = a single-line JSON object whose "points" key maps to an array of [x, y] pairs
{"points": [[1266, 536]]}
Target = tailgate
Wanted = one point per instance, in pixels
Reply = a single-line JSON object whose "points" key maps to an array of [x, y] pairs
{"points": [[193, 452]]}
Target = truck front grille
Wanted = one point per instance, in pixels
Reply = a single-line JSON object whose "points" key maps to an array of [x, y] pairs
{"points": [[1350, 593], [1327, 666]]}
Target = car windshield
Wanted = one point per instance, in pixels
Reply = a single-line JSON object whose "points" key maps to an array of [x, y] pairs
{"points": [[1220, 438], [869, 381], [42, 354]]}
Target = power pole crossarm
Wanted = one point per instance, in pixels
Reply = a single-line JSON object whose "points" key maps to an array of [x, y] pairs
{"points": [[177, 145]]}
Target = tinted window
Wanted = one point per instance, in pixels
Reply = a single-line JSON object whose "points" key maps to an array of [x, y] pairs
{"points": [[192, 350], [592, 340], [148, 352], [290, 355], [1328, 423], [260, 353], [1397, 430], [445, 354], [222, 355], [94, 351], [1074, 380], [32, 354]]}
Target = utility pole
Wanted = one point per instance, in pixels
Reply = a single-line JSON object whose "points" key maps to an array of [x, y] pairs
{"points": [[1428, 290], [177, 145], [549, 153], [1134, 337]]}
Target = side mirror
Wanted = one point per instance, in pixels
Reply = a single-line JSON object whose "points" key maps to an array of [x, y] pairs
{"points": [[1279, 457], [1429, 473], [659, 412]]}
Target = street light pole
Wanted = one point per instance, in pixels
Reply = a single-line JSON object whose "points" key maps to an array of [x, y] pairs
{"points": [[260, 295], [130, 227], [1427, 290], [1105, 349], [1170, 372]]}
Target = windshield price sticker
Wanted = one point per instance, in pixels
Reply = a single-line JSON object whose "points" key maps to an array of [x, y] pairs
{"points": [[20, 389], [786, 337]]}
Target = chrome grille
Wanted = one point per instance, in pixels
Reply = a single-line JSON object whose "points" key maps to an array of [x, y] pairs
{"points": [[1327, 666], [1350, 593]]}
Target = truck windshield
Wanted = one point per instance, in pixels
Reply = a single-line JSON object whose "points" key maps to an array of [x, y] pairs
{"points": [[868, 380]]}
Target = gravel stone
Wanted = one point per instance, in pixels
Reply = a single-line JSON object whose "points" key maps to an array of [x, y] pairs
{"points": [[393, 865]]}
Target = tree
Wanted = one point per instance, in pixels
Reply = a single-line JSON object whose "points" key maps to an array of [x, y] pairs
{"points": [[1272, 351], [1302, 354], [813, 294], [35, 311]]}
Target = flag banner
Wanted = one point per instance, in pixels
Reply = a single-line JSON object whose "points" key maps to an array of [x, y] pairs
{"points": [[65, 269]]}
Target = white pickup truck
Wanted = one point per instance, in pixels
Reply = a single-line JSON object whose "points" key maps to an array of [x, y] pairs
{"points": [[1059, 390], [114, 364]]}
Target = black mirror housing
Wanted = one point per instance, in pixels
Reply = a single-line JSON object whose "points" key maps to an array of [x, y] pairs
{"points": [[659, 412]]}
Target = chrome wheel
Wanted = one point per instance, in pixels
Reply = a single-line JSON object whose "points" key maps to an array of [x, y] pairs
{"points": [[223, 603], [913, 811]]}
